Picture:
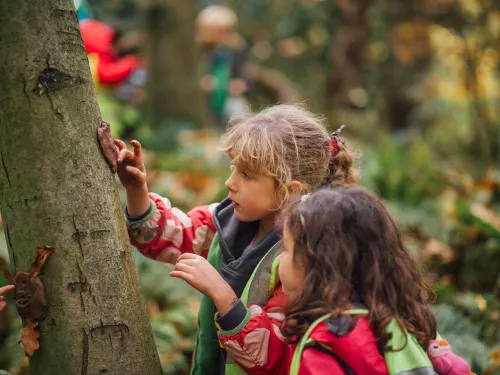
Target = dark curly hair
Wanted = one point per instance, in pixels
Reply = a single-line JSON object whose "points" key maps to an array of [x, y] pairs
{"points": [[350, 246]]}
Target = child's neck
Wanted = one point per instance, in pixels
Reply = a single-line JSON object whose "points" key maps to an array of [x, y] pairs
{"points": [[265, 225]]}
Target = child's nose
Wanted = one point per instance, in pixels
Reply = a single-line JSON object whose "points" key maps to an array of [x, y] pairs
{"points": [[230, 184]]}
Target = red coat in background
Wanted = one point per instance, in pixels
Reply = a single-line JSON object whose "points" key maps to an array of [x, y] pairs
{"points": [[109, 69]]}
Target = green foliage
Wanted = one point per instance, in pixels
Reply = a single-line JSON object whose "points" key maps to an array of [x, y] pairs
{"points": [[174, 324], [158, 286], [432, 202], [408, 174]]}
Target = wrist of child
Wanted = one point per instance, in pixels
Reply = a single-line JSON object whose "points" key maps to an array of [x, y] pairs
{"points": [[224, 298], [137, 188], [137, 200]]}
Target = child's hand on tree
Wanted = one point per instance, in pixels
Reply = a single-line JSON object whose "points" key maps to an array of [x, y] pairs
{"points": [[3, 290], [131, 170], [202, 276]]}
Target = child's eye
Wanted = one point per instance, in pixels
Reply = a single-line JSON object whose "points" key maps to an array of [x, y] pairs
{"points": [[246, 176], [232, 167]]}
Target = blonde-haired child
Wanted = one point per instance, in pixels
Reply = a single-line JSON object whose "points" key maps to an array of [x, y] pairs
{"points": [[276, 155]]}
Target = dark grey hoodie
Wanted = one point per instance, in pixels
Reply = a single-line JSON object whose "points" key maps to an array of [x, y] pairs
{"points": [[239, 258]]}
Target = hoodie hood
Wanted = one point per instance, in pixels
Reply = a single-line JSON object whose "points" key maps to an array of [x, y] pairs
{"points": [[353, 341], [239, 255]]}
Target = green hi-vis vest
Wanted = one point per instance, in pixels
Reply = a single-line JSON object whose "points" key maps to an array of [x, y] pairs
{"points": [[411, 360], [258, 290]]}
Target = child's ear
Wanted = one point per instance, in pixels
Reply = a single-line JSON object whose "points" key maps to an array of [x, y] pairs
{"points": [[295, 187]]}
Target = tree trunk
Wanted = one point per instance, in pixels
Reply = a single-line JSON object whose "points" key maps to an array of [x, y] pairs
{"points": [[273, 85], [409, 59], [345, 83], [56, 189], [173, 90]]}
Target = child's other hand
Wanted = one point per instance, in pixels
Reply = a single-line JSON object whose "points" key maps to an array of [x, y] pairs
{"points": [[3, 290], [131, 170], [197, 272]]}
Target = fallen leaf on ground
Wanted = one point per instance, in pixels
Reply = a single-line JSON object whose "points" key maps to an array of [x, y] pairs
{"points": [[438, 249], [486, 215]]}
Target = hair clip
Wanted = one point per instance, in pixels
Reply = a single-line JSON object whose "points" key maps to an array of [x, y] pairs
{"points": [[334, 140], [302, 219], [336, 133]]}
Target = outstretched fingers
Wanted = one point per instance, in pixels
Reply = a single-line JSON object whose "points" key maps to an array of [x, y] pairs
{"points": [[7, 288], [136, 172], [183, 271], [124, 155], [182, 275], [137, 148], [120, 144], [3, 290], [185, 256]]}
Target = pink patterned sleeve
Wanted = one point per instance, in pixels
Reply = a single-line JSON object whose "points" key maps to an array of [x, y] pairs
{"points": [[257, 344], [166, 232]]}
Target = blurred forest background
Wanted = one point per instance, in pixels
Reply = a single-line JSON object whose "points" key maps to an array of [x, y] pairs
{"points": [[417, 82]]}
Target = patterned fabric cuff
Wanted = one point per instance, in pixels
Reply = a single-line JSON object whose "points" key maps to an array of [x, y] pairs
{"points": [[234, 321], [135, 221]]}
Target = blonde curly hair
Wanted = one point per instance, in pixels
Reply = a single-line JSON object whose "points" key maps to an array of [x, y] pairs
{"points": [[288, 143]]}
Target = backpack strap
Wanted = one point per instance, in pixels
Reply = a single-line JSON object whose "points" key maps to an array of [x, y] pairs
{"points": [[408, 357], [325, 349], [252, 292], [297, 355]]}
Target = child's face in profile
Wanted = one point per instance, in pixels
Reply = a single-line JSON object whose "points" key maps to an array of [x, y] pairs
{"points": [[291, 272], [253, 195]]}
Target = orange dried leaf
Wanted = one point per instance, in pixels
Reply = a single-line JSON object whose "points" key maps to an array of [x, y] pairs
{"points": [[153, 308], [439, 250], [486, 215], [42, 253], [29, 337]]}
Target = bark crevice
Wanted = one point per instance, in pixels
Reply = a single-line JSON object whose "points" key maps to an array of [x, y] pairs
{"points": [[5, 168]]}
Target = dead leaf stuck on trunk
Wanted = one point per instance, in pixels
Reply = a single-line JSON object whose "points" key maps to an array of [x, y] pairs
{"points": [[29, 337], [30, 298], [42, 253]]}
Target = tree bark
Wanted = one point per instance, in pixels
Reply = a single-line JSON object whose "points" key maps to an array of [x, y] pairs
{"points": [[56, 189], [173, 90], [408, 62], [347, 53]]}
